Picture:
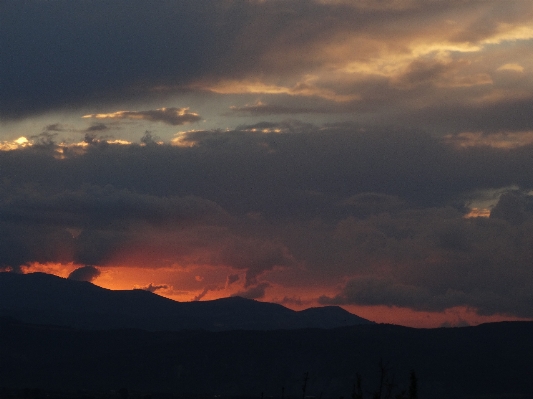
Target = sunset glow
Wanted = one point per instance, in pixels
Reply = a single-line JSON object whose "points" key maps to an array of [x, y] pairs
{"points": [[372, 155]]}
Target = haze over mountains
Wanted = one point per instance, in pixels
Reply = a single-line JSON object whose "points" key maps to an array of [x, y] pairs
{"points": [[47, 299]]}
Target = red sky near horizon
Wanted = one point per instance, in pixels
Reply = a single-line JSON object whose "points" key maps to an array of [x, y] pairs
{"points": [[127, 278]]}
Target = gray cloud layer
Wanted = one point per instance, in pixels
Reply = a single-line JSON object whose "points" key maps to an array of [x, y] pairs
{"points": [[379, 213], [444, 71]]}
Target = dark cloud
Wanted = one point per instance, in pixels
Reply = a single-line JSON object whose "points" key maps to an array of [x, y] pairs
{"points": [[85, 273], [201, 294], [153, 287], [72, 53], [56, 127], [232, 278], [434, 260], [255, 256], [171, 116], [65, 54], [300, 171], [506, 114], [366, 204], [45, 139], [256, 292], [379, 213], [97, 127], [149, 139], [21, 244], [95, 207], [36, 223], [294, 301], [512, 208]]}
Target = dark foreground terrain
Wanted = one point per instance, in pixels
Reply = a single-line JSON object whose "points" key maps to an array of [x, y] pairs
{"points": [[487, 361]]}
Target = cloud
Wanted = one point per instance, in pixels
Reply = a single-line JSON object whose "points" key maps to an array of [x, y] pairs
{"points": [[232, 278], [84, 273], [97, 127], [56, 127], [370, 56], [39, 223], [373, 212], [497, 140], [444, 73], [303, 88], [171, 116], [201, 295], [512, 207], [294, 301], [266, 109], [153, 287], [9, 145], [511, 67], [256, 292], [431, 261], [346, 214], [255, 256]]}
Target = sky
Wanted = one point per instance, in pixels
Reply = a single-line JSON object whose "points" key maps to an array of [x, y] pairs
{"points": [[371, 154]]}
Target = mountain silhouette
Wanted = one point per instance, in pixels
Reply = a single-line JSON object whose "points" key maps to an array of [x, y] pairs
{"points": [[41, 298]]}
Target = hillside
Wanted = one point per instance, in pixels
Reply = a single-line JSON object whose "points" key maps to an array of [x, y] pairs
{"points": [[46, 299], [492, 360]]}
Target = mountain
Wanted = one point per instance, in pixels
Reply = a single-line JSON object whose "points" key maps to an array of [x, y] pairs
{"points": [[488, 361], [47, 299]]}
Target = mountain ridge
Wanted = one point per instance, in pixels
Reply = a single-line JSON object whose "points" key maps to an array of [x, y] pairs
{"points": [[47, 299]]}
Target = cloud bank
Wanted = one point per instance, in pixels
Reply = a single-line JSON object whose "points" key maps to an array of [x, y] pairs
{"points": [[380, 216], [360, 153], [462, 66]]}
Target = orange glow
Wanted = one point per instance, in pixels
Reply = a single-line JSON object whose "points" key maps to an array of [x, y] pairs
{"points": [[304, 88], [477, 213], [512, 67], [21, 142], [454, 317], [176, 282], [302, 298], [57, 269], [497, 140], [181, 284]]}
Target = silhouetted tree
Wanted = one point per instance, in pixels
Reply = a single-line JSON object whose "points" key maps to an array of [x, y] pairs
{"points": [[389, 386], [304, 387], [413, 386], [383, 379], [357, 392], [123, 393]]}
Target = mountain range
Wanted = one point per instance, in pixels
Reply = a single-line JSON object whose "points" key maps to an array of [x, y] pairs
{"points": [[47, 299], [60, 335]]}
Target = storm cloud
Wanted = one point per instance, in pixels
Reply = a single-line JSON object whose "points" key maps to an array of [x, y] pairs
{"points": [[363, 58], [380, 213], [84, 273]]}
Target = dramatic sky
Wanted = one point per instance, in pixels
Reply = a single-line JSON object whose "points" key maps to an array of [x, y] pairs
{"points": [[372, 154]]}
